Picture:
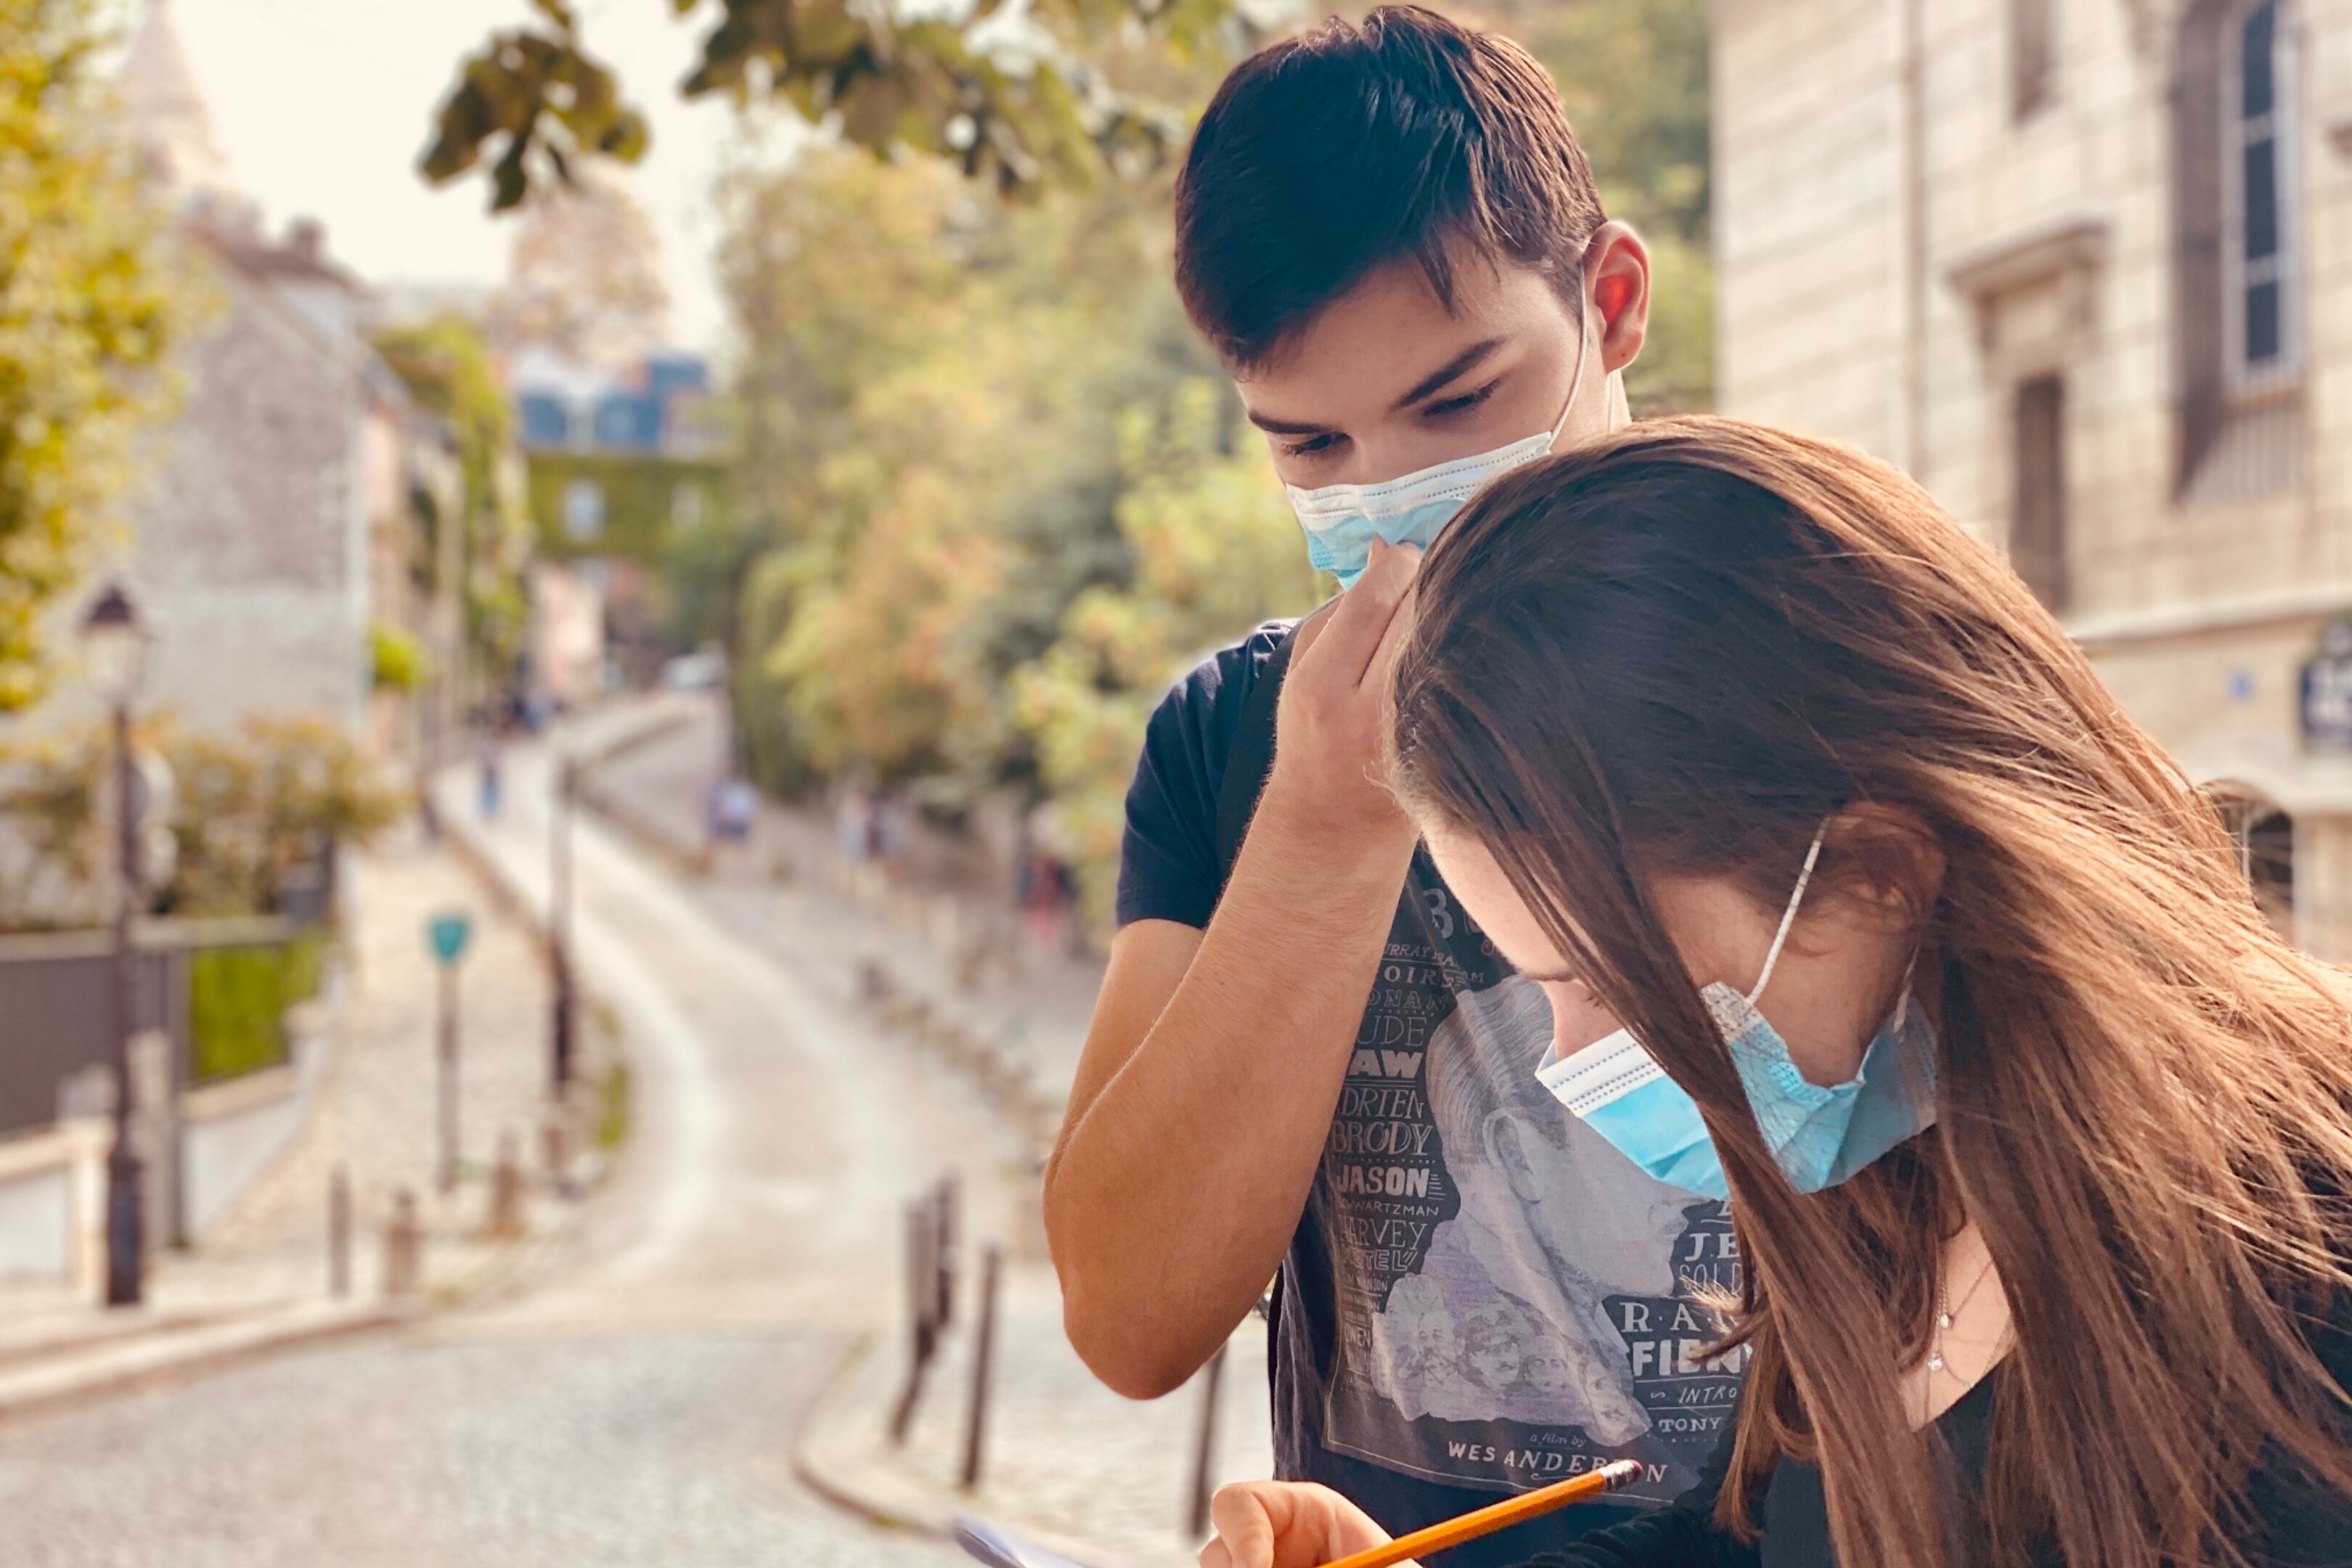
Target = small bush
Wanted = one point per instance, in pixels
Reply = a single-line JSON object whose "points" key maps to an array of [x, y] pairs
{"points": [[237, 998]]}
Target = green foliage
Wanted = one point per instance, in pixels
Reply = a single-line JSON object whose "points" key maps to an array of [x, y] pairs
{"points": [[88, 312], [1634, 75], [1027, 96], [1217, 551], [644, 519], [247, 809], [447, 368], [930, 439], [399, 661], [237, 998], [551, 100]]}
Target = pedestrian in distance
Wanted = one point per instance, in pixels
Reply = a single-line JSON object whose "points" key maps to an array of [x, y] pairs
{"points": [[2035, 1132], [490, 788], [1307, 1064]]}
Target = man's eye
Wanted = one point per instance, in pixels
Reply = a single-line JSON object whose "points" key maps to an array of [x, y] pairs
{"points": [[1309, 447], [1462, 404]]}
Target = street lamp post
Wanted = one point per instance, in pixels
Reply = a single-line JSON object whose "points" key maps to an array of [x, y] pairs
{"points": [[559, 926], [114, 649], [447, 934]]}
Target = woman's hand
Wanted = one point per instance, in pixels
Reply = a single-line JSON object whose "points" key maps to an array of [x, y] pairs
{"points": [[1286, 1524]]}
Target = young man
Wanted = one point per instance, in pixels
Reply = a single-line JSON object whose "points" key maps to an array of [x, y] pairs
{"points": [[1306, 1064]]}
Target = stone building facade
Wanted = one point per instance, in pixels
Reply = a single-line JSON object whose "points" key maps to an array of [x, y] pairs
{"points": [[281, 528], [2085, 269]]}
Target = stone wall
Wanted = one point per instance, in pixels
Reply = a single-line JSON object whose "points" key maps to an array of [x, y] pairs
{"points": [[251, 538], [1899, 250]]}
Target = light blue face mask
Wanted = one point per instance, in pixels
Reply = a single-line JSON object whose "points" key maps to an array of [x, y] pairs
{"points": [[1342, 521], [1821, 1136]]}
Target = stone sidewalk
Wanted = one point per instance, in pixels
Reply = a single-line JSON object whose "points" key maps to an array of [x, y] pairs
{"points": [[1104, 1480], [261, 1277]]}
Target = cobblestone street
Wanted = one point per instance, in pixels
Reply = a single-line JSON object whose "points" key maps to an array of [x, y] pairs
{"points": [[470, 1448], [639, 1403]]}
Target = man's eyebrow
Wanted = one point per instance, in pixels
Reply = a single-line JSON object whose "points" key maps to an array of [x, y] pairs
{"points": [[1284, 426], [1462, 364]]}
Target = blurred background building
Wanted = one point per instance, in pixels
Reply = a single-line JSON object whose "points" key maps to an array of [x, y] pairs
{"points": [[2085, 269], [282, 547]]}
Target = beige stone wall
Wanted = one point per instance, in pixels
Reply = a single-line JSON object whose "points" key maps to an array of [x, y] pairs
{"points": [[1807, 217], [2199, 614]]}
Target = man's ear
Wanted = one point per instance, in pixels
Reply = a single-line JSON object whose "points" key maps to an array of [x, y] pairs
{"points": [[1617, 281], [1507, 1151]]}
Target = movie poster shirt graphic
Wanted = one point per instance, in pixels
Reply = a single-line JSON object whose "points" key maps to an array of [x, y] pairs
{"points": [[1517, 1302]]}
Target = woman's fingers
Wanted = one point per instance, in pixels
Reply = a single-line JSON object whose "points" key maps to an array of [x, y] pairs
{"points": [[1244, 1537], [1284, 1524]]}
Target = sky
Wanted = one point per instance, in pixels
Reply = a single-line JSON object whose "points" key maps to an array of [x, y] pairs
{"points": [[321, 108]]}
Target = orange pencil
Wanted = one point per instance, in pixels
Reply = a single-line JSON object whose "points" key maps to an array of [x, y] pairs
{"points": [[1499, 1516]]}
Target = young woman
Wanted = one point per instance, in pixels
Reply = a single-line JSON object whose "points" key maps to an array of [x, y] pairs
{"points": [[2035, 1133]]}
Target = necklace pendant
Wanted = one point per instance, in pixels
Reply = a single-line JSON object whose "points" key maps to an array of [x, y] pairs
{"points": [[1936, 1362], [1943, 1319]]}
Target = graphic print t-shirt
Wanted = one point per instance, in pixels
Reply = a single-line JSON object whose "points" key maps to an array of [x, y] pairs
{"points": [[1483, 1296]]}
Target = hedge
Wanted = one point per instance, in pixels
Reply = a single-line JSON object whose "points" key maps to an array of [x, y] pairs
{"points": [[237, 998]]}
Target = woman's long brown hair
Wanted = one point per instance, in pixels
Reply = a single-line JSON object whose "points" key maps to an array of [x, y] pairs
{"points": [[1678, 652]]}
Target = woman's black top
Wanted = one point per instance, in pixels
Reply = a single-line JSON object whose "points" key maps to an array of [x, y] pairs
{"points": [[2305, 1524]]}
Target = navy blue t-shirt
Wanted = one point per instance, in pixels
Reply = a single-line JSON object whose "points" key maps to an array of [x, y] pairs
{"points": [[1483, 1296]]}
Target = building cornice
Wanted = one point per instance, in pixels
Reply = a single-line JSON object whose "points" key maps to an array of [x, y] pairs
{"points": [[2095, 634]]}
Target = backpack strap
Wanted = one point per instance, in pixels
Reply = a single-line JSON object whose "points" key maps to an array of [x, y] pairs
{"points": [[1251, 758]]}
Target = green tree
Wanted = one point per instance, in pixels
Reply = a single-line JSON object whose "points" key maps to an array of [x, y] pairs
{"points": [[247, 807], [1633, 76], [932, 386], [1048, 92], [1217, 551], [447, 368], [89, 311]]}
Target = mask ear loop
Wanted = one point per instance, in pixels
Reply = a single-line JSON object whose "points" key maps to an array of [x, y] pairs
{"points": [[1575, 382], [1789, 917]]}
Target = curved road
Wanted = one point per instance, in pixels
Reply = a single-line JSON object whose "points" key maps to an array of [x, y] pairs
{"points": [[637, 1408]]}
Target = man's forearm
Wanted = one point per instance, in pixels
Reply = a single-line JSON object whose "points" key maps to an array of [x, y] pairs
{"points": [[1176, 1191]]}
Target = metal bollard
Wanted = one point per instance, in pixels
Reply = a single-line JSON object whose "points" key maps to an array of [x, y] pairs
{"points": [[1204, 1454], [949, 1199], [404, 1247], [922, 1302], [339, 1232], [555, 1151], [506, 1190], [984, 1357]]}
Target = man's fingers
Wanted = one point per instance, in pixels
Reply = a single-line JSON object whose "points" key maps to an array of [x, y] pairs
{"points": [[1310, 630], [1365, 610], [1390, 648]]}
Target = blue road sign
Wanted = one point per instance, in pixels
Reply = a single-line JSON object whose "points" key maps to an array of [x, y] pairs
{"points": [[448, 934]]}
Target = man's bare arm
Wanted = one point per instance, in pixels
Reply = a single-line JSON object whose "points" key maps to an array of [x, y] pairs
{"points": [[1206, 1089]]}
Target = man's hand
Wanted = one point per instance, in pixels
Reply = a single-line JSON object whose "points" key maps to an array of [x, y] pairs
{"points": [[1203, 1098], [1331, 727], [1286, 1524]]}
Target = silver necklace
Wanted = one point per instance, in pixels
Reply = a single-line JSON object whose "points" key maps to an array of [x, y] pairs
{"points": [[1945, 1312]]}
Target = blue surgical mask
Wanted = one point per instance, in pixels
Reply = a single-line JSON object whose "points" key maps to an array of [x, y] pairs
{"points": [[1821, 1136], [1342, 521]]}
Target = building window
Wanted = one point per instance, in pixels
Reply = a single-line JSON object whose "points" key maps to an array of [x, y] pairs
{"points": [[583, 510], [2259, 309], [2037, 527], [2032, 55], [2265, 839], [2237, 310]]}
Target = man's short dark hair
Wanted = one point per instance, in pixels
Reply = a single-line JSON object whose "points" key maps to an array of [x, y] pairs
{"points": [[1333, 154]]}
